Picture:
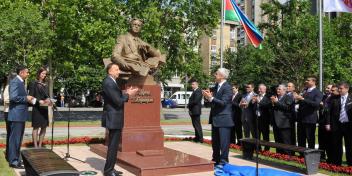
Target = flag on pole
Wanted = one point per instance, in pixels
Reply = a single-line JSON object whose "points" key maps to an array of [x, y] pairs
{"points": [[251, 30], [338, 6], [230, 14]]}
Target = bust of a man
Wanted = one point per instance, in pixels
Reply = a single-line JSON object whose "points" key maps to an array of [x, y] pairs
{"points": [[134, 55]]}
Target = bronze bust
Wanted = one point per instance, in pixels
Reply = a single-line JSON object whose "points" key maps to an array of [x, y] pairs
{"points": [[134, 55]]}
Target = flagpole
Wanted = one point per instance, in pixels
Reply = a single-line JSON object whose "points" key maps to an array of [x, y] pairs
{"points": [[320, 46], [222, 34]]}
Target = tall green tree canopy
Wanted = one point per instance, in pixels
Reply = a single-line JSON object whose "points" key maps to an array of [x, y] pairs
{"points": [[85, 33], [25, 36], [291, 47]]}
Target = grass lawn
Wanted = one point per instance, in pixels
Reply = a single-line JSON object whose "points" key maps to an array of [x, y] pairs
{"points": [[5, 170]]}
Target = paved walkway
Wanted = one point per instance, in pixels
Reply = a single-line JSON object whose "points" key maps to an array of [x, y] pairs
{"points": [[95, 163]]}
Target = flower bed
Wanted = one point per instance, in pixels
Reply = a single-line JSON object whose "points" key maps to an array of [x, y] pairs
{"points": [[300, 160]]}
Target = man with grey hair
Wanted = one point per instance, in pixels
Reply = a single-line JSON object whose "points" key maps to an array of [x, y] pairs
{"points": [[282, 113], [220, 116]]}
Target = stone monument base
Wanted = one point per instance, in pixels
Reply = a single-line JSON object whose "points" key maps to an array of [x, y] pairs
{"points": [[157, 163]]}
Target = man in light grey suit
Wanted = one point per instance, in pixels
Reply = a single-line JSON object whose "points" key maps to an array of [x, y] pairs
{"points": [[18, 114], [248, 112]]}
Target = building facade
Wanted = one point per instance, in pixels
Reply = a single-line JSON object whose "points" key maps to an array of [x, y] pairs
{"points": [[233, 33]]}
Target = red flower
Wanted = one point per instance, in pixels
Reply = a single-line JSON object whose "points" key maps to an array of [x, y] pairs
{"points": [[89, 140]]}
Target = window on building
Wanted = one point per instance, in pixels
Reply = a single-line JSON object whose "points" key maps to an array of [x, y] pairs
{"points": [[232, 32], [213, 36], [213, 48]]}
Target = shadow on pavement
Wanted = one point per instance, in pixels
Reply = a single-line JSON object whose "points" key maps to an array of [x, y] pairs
{"points": [[95, 163], [170, 116]]}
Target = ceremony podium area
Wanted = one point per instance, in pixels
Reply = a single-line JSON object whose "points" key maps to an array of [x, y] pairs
{"points": [[142, 150]]}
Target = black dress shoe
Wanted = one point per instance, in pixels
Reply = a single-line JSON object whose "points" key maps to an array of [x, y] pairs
{"points": [[114, 173], [16, 166], [118, 172]]}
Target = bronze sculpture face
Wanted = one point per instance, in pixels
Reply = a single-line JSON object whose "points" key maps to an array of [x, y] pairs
{"points": [[136, 26], [135, 56]]}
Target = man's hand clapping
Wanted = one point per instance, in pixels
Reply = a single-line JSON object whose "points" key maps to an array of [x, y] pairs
{"points": [[274, 99], [131, 91], [297, 97], [207, 94], [243, 103]]}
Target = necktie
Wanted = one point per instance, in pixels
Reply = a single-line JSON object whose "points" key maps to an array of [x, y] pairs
{"points": [[218, 88], [342, 111]]}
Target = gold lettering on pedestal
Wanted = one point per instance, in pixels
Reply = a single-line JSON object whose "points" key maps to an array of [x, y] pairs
{"points": [[143, 97]]}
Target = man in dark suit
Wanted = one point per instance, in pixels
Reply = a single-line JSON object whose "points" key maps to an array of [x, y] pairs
{"points": [[220, 116], [330, 148], [262, 105], [339, 121], [323, 134], [236, 115], [18, 114], [195, 110], [282, 112], [114, 100], [307, 114], [290, 90], [248, 112]]}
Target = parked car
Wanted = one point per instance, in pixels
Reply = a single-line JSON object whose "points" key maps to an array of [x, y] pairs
{"points": [[179, 98], [168, 103]]}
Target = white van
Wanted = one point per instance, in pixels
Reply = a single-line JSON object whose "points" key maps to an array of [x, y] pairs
{"points": [[179, 97]]}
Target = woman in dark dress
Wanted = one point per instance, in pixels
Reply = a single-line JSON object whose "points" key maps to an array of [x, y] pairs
{"points": [[39, 90]]}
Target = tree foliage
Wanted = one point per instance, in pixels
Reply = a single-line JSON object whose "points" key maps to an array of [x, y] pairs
{"points": [[85, 33], [24, 36], [291, 47]]}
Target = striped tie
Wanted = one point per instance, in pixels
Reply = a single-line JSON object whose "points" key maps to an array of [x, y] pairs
{"points": [[343, 110]]}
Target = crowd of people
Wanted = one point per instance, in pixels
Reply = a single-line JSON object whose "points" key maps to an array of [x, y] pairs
{"points": [[293, 115]]}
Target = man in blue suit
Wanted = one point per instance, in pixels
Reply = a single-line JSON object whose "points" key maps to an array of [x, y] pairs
{"points": [[220, 116], [18, 114]]}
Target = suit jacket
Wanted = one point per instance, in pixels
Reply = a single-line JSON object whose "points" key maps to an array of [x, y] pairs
{"points": [[221, 110], [323, 108], [248, 113], [18, 101], [293, 108], [333, 113], [282, 112], [264, 107], [308, 108], [195, 102], [236, 110], [114, 101]]}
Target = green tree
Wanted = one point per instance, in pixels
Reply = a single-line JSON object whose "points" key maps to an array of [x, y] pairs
{"points": [[25, 36], [291, 48], [85, 33], [337, 49], [175, 27], [292, 36]]}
